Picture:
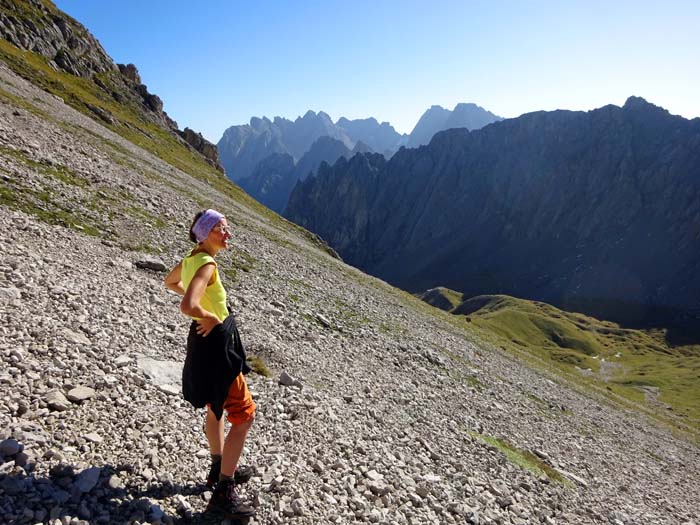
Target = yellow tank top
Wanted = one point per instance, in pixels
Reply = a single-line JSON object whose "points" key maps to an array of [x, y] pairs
{"points": [[214, 298]]}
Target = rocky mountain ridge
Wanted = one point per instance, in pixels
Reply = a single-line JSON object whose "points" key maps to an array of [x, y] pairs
{"points": [[555, 206], [38, 26], [242, 147]]}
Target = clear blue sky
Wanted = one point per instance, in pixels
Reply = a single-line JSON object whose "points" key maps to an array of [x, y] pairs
{"points": [[216, 63]]}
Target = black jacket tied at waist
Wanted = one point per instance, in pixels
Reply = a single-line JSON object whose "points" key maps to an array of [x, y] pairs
{"points": [[211, 365]]}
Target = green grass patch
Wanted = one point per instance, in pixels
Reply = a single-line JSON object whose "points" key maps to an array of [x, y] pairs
{"points": [[442, 298], [230, 272], [242, 260], [61, 173], [637, 366], [43, 207], [349, 316], [523, 458]]}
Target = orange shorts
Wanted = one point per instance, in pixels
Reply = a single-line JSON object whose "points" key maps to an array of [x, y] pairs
{"points": [[239, 404]]}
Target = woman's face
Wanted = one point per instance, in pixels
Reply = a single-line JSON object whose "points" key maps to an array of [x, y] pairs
{"points": [[220, 234]]}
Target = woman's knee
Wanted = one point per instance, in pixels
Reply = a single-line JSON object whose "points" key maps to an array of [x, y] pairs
{"points": [[242, 424]]}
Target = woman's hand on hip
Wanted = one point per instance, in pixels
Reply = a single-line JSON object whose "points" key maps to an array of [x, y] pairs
{"points": [[206, 325]]}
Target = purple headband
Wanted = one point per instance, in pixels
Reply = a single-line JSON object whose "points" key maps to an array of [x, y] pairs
{"points": [[205, 223]]}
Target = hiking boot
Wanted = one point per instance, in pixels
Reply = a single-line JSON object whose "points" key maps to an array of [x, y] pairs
{"points": [[241, 475], [226, 501]]}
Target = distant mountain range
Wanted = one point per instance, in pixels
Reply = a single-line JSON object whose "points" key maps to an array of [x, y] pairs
{"points": [[242, 147], [593, 211], [267, 157]]}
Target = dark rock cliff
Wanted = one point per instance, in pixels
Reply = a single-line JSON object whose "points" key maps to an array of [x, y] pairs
{"points": [[594, 211]]}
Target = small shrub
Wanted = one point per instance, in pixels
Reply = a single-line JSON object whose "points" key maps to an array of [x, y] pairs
{"points": [[258, 366]]}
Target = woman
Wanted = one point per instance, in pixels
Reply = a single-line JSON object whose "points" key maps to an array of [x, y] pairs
{"points": [[215, 362]]}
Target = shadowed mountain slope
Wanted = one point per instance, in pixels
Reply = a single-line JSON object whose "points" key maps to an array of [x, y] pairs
{"points": [[274, 177], [593, 211]]}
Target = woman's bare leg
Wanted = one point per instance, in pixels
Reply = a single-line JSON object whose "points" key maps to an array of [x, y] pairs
{"points": [[215, 432], [233, 447]]}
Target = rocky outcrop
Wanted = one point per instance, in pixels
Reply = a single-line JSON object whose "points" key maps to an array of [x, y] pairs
{"points": [[596, 212], [437, 119], [38, 26], [203, 146], [275, 176]]}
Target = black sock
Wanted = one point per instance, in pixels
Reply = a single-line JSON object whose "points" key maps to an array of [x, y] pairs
{"points": [[215, 458], [224, 477]]}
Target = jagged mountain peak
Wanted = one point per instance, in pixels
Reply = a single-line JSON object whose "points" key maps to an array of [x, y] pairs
{"points": [[437, 118]]}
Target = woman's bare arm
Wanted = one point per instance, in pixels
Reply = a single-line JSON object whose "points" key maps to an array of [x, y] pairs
{"points": [[190, 304], [173, 281]]}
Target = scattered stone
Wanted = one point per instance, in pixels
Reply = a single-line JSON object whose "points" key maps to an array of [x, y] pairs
{"points": [[572, 477], [161, 372], [171, 390], [80, 394], [323, 320], [21, 459], [77, 338], [374, 475], [8, 294], [122, 360], [57, 401], [287, 380], [87, 479], [298, 507], [151, 263]]}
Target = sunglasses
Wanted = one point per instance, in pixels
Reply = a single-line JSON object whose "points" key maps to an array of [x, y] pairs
{"points": [[225, 230]]}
